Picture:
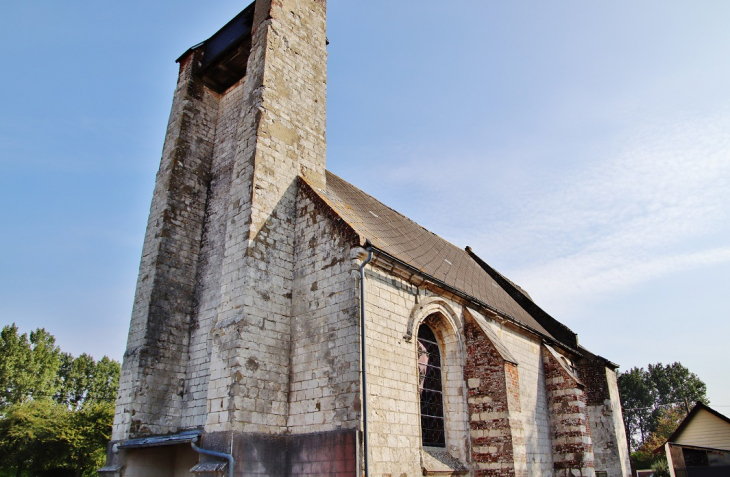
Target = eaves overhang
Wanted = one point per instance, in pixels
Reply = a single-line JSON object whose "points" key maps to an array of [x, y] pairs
{"points": [[473, 300], [165, 440]]}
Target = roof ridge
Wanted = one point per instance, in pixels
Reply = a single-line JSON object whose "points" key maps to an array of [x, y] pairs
{"points": [[553, 326]]}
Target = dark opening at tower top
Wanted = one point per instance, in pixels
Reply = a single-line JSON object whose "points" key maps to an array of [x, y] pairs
{"points": [[224, 56]]}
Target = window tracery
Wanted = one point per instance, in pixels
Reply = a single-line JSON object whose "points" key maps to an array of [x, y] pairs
{"points": [[430, 389]]}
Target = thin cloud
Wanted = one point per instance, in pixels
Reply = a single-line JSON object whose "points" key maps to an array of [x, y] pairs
{"points": [[654, 206], [659, 207]]}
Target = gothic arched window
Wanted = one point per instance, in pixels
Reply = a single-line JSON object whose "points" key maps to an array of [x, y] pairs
{"points": [[430, 389]]}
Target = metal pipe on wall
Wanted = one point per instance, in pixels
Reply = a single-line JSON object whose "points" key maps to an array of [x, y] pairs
{"points": [[220, 455], [364, 370]]}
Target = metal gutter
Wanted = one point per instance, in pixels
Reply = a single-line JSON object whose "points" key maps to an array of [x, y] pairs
{"points": [[472, 299], [166, 440]]}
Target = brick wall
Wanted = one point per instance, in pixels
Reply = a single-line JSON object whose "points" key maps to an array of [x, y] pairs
{"points": [[497, 441], [571, 433], [525, 349], [603, 410], [332, 454]]}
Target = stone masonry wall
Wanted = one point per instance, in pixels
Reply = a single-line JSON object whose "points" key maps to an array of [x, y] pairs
{"points": [[149, 400], [394, 412], [572, 447], [393, 405], [592, 374], [533, 398], [494, 407], [207, 291], [618, 425], [211, 345], [281, 134], [603, 410], [324, 392]]}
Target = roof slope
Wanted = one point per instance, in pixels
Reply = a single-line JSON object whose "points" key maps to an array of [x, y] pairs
{"points": [[400, 237]]}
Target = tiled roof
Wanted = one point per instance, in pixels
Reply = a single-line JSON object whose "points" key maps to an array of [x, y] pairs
{"points": [[400, 237]]}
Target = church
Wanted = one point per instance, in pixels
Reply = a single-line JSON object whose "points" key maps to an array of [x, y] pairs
{"points": [[286, 323]]}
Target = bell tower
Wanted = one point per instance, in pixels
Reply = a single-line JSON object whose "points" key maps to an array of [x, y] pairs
{"points": [[208, 352]]}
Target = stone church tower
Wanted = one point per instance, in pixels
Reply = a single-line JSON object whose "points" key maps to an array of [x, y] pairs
{"points": [[246, 352]]}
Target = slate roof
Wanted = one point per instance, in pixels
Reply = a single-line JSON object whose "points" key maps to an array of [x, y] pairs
{"points": [[405, 240]]}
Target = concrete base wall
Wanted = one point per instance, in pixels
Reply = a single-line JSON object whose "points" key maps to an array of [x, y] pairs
{"points": [[304, 455]]}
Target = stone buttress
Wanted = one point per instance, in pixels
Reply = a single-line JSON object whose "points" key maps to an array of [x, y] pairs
{"points": [[571, 433], [209, 352], [492, 377]]}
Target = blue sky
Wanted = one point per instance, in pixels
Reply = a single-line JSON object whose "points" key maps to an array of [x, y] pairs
{"points": [[582, 149]]}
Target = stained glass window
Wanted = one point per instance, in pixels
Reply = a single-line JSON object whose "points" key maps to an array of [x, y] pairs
{"points": [[430, 389]]}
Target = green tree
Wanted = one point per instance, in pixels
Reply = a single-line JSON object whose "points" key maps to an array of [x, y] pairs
{"points": [[33, 436], [675, 385], [661, 467], [56, 411], [667, 422], [105, 383], [28, 366], [82, 380], [90, 431], [638, 403], [656, 397], [75, 376]]}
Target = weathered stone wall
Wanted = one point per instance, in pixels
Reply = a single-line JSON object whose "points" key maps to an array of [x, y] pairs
{"points": [[228, 185], [207, 291], [603, 409], [392, 380], [393, 406], [610, 448], [497, 441], [571, 432], [618, 426], [324, 392], [331, 453], [153, 372], [525, 349], [323, 454], [281, 134]]}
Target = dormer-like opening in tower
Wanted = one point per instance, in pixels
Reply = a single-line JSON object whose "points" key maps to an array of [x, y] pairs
{"points": [[224, 56]]}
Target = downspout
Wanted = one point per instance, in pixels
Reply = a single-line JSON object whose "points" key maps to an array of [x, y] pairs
{"points": [[219, 455], [362, 344]]}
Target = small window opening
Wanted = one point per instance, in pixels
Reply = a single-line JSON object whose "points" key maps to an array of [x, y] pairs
{"points": [[430, 389]]}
